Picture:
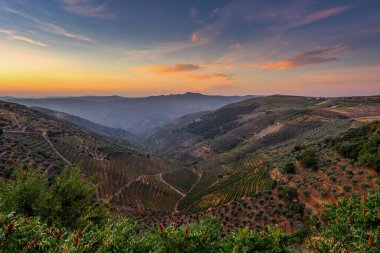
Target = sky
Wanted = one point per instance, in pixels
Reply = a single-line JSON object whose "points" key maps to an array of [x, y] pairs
{"points": [[152, 47]]}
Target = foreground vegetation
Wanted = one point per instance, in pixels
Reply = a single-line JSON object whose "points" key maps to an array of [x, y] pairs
{"points": [[64, 217], [360, 145]]}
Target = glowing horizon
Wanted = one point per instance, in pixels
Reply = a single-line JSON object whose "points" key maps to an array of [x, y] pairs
{"points": [[98, 47]]}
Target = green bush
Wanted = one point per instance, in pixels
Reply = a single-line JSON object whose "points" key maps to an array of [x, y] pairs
{"points": [[289, 168], [308, 159], [360, 145], [69, 201], [25, 193], [21, 234], [351, 225]]}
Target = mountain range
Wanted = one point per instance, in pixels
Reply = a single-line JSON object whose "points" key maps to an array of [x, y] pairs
{"points": [[139, 116]]}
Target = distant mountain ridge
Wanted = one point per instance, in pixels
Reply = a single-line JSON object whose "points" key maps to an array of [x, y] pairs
{"points": [[116, 133], [139, 116]]}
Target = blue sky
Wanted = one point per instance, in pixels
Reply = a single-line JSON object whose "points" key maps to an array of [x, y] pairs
{"points": [[126, 47]]}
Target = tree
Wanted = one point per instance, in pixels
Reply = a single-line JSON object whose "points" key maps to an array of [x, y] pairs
{"points": [[70, 198]]}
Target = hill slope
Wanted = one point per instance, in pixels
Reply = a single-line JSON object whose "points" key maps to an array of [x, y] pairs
{"points": [[127, 177], [252, 125]]}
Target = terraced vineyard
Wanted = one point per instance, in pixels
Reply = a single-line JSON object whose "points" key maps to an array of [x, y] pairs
{"points": [[183, 179], [117, 169], [299, 135], [113, 171], [31, 148], [206, 179], [147, 192], [226, 184]]}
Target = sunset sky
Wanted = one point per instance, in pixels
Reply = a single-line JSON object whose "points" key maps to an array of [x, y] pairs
{"points": [[141, 47]]}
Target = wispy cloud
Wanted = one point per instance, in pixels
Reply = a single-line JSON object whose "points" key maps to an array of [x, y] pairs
{"points": [[158, 49], [211, 76], [236, 46], [193, 13], [304, 58], [7, 32], [319, 15], [12, 35], [88, 8], [204, 36], [216, 11], [182, 67], [353, 33], [199, 38], [46, 26]]}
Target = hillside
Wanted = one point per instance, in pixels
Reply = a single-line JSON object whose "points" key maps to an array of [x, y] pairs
{"points": [[120, 170], [139, 116], [263, 161], [256, 124], [240, 152]]}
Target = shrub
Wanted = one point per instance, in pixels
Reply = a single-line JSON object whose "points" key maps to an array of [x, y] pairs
{"points": [[347, 188], [308, 159], [351, 225], [25, 193], [69, 201], [289, 168], [360, 145]]}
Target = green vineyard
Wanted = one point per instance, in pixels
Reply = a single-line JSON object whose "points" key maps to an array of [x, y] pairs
{"points": [[28, 148], [182, 179], [225, 184], [148, 192]]}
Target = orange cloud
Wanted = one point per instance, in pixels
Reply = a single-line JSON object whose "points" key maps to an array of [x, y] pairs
{"points": [[195, 38], [220, 77], [170, 69], [305, 58]]}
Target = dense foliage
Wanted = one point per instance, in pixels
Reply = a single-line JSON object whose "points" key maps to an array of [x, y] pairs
{"points": [[351, 225], [18, 234], [38, 217], [308, 159], [289, 168], [69, 201], [360, 144]]}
